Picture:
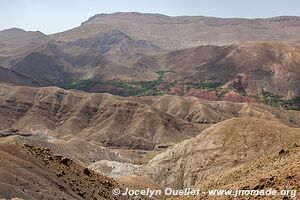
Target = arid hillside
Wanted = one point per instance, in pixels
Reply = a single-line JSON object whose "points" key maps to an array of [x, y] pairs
{"points": [[139, 141], [248, 67], [105, 118], [218, 149], [12, 77], [137, 101], [32, 172], [135, 122], [190, 31], [15, 43], [278, 170], [114, 62]]}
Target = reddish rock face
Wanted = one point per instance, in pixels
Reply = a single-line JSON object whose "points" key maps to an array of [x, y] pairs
{"points": [[235, 97], [204, 94], [213, 96]]}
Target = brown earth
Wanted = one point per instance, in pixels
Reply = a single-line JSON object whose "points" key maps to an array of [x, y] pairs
{"points": [[190, 31], [51, 138], [31, 172], [111, 54], [12, 77], [279, 170], [255, 66], [134, 122], [215, 139], [111, 120], [219, 148]]}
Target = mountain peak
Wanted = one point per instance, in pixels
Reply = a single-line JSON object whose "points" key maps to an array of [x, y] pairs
{"points": [[123, 15], [16, 35], [13, 30]]}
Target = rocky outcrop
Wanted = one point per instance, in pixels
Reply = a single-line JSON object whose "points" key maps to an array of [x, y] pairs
{"points": [[219, 148]]}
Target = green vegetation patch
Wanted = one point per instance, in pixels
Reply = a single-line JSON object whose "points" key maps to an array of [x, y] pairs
{"points": [[208, 85], [278, 101], [161, 87], [82, 84], [130, 88]]}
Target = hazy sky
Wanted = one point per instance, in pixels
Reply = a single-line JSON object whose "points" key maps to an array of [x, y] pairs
{"points": [[50, 16]]}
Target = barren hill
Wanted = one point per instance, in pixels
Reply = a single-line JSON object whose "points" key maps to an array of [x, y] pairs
{"points": [[278, 170], [109, 133], [32, 172], [135, 122], [115, 62], [109, 119], [79, 150], [12, 77], [104, 56], [14, 43], [221, 147], [190, 31], [253, 67], [151, 101]]}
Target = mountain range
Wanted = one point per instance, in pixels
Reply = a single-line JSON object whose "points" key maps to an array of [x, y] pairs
{"points": [[133, 100], [125, 63], [167, 141], [187, 31]]}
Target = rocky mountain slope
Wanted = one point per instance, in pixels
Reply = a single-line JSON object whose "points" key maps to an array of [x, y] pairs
{"points": [[103, 117], [209, 112], [114, 62], [189, 138], [79, 150], [190, 31], [32, 172], [248, 67], [12, 77], [278, 170], [15, 43], [191, 110], [219, 148], [98, 57], [98, 117]]}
